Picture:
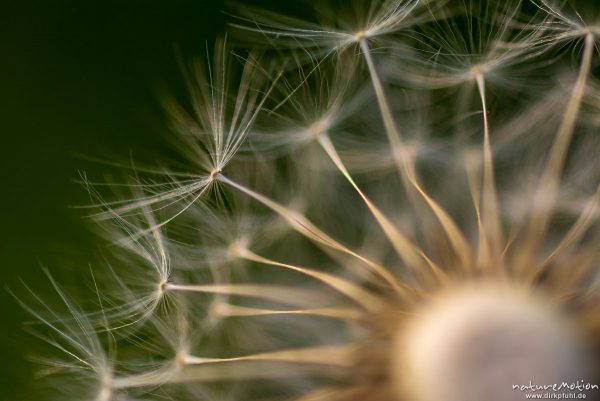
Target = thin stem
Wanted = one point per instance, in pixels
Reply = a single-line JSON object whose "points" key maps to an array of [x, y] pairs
{"points": [[305, 227], [408, 251], [475, 189], [325, 355], [391, 129], [352, 291], [281, 294], [188, 368], [455, 236], [406, 167], [546, 192], [577, 230], [491, 214], [227, 309]]}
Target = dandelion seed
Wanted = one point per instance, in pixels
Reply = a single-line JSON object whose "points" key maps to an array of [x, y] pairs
{"points": [[335, 34], [209, 138]]}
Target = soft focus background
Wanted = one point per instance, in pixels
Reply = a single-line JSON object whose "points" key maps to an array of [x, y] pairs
{"points": [[77, 77]]}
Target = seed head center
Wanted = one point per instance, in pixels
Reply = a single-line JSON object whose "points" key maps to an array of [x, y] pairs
{"points": [[476, 343]]}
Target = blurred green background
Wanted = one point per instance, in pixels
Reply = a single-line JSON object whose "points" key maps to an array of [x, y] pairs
{"points": [[77, 77]]}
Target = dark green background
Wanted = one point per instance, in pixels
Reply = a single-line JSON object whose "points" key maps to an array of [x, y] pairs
{"points": [[77, 77]]}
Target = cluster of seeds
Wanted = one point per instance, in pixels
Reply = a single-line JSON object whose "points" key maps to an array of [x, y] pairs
{"points": [[394, 201]]}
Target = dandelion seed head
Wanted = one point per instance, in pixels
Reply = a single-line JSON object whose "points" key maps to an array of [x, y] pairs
{"points": [[397, 202]]}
